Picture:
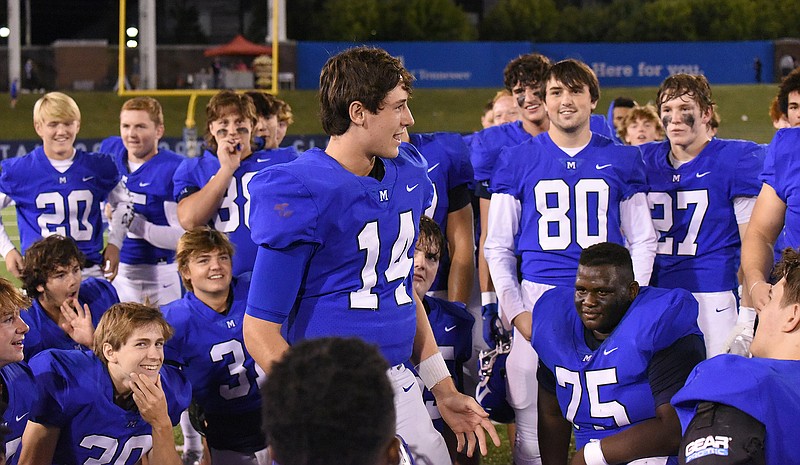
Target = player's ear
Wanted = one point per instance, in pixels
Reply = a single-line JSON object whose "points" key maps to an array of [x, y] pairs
{"points": [[357, 112], [109, 353], [392, 455], [633, 290], [159, 131], [792, 322]]}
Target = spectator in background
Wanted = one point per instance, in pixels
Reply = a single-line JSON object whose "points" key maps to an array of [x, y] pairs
{"points": [[786, 64], [619, 109]]}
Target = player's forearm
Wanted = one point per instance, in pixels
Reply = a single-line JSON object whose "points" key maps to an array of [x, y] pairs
{"points": [[503, 225], [461, 238], [656, 437], [554, 430], [38, 444], [766, 222], [640, 234], [263, 341], [163, 451], [484, 279], [424, 342], [198, 208], [162, 236]]}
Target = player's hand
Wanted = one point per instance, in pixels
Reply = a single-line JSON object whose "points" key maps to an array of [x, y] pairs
{"points": [[229, 147], [523, 323], [466, 418], [14, 263], [77, 322], [759, 294], [111, 260], [150, 399]]}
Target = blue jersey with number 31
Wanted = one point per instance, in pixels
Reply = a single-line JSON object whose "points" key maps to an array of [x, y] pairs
{"points": [[358, 279]]}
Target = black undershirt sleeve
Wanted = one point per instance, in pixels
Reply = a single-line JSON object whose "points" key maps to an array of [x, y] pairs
{"points": [[670, 367], [459, 198], [546, 379], [482, 190]]}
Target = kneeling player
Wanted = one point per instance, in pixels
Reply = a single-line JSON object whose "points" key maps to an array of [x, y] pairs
{"points": [[450, 321], [209, 345], [114, 405], [66, 308], [737, 410], [610, 368]]}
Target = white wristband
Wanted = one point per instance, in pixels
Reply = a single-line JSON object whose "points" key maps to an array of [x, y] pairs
{"points": [[489, 297], [593, 454], [747, 317], [433, 370]]}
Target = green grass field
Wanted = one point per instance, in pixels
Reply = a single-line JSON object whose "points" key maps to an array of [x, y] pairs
{"points": [[434, 110], [455, 110]]}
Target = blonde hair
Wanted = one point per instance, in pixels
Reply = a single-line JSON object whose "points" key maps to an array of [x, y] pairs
{"points": [[57, 106], [121, 320], [199, 240], [11, 299], [644, 112]]}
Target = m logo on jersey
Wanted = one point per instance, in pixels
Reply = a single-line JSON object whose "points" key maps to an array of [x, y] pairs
{"points": [[587, 358], [384, 195], [571, 165], [231, 323], [62, 179], [676, 178]]}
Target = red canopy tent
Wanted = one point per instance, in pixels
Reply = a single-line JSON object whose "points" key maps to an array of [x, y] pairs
{"points": [[238, 46]]}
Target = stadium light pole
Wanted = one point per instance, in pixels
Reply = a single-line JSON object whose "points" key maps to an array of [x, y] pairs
{"points": [[14, 47], [147, 44]]}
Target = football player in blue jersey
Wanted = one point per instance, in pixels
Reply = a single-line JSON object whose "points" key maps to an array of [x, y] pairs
{"points": [[776, 214], [560, 192], [209, 346], [66, 308], [317, 411], [737, 410], [337, 230], [65, 194], [116, 404], [17, 388], [147, 272], [702, 191], [214, 187], [266, 129], [611, 355], [450, 321]]}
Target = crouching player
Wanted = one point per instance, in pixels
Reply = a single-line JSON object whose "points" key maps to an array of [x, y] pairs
{"points": [[66, 308], [450, 321], [116, 404], [209, 345], [737, 410], [17, 390], [611, 355]]}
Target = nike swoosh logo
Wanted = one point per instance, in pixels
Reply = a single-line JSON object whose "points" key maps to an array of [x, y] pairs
{"points": [[406, 389], [602, 167], [144, 184], [720, 310], [450, 328], [433, 167], [88, 178], [700, 175], [411, 188], [164, 286], [606, 352], [22, 416], [262, 160]]}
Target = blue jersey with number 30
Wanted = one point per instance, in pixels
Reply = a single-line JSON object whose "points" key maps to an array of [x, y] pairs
{"points": [[604, 391], [75, 394], [568, 203], [50, 202], [693, 211], [358, 279], [233, 216]]}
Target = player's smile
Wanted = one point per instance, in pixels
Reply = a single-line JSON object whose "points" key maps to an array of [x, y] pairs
{"points": [[142, 353], [602, 297], [209, 272]]}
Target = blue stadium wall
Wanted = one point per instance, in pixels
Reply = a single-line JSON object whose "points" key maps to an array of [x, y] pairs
{"points": [[480, 64]]}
